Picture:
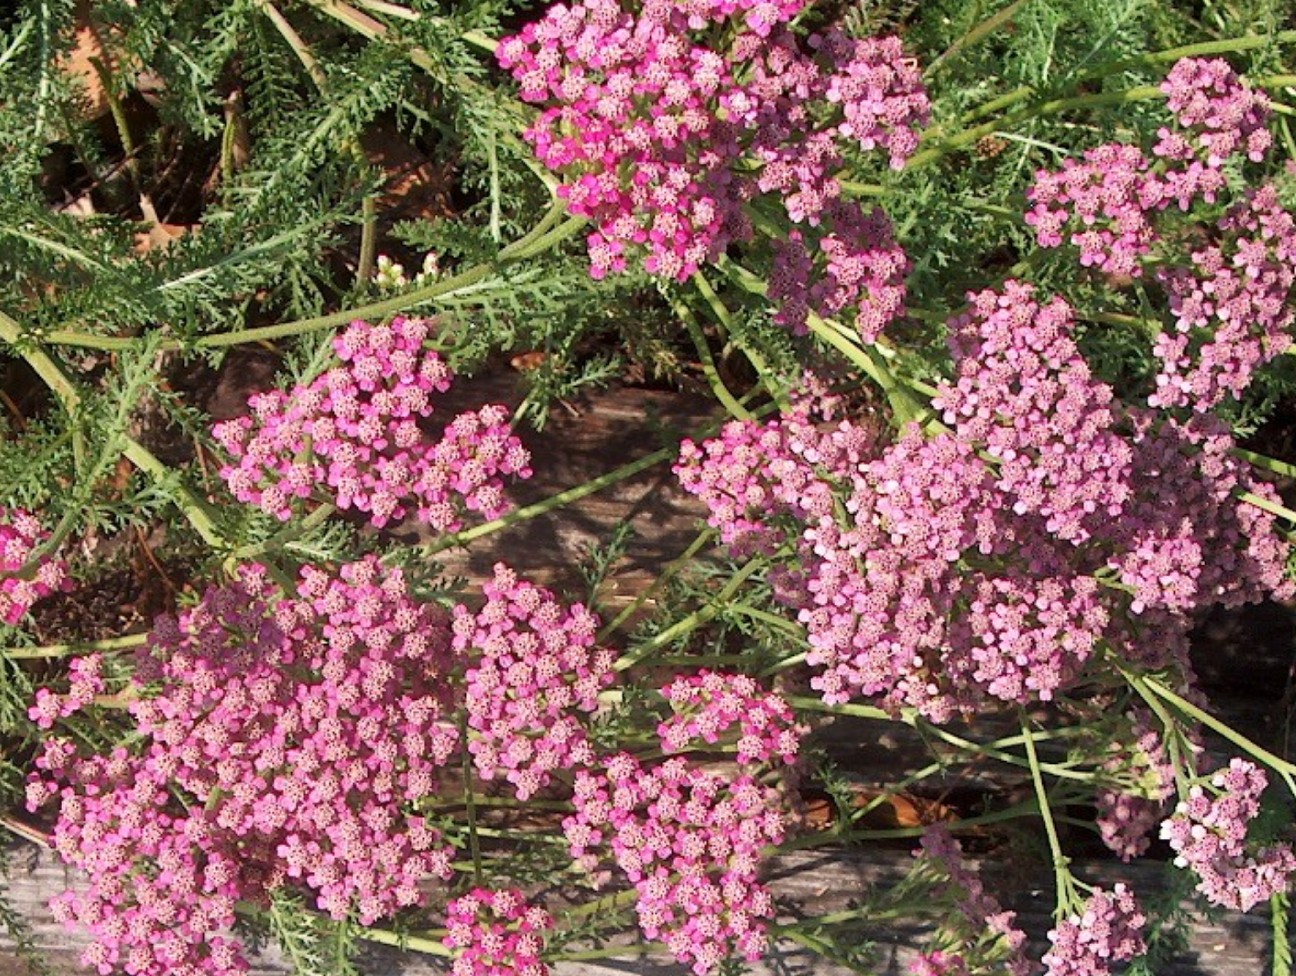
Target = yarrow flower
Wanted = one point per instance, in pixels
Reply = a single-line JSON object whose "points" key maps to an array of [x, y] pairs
{"points": [[941, 572], [298, 730], [496, 933], [707, 705], [663, 138], [1126, 819], [534, 670], [1106, 930], [1208, 833], [355, 432], [690, 841], [86, 682], [21, 584]]}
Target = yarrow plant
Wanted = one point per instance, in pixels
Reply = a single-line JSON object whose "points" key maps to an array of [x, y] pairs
{"points": [[333, 740], [355, 431]]}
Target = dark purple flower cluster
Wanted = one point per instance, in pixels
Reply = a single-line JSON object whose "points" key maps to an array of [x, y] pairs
{"points": [[496, 933], [981, 935], [991, 559], [1126, 817], [354, 431], [667, 121], [1107, 930], [535, 668], [1208, 833], [279, 740]]}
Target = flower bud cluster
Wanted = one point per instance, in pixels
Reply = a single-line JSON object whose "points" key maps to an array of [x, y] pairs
{"points": [[1223, 115], [710, 703], [665, 122], [970, 564], [496, 933], [20, 534], [1208, 832], [355, 431], [1125, 819], [535, 669], [1107, 930], [297, 733], [690, 841]]}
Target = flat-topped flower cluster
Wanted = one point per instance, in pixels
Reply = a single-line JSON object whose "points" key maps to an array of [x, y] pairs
{"points": [[989, 560], [667, 121], [354, 432]]}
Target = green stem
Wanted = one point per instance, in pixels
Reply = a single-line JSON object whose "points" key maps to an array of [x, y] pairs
{"points": [[1147, 685], [693, 620], [197, 511], [608, 952], [429, 947], [1272, 507], [1018, 810], [1061, 873], [731, 405], [683, 559], [807, 704], [78, 647], [1267, 463]]}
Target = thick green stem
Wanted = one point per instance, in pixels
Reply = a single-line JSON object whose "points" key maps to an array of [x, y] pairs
{"points": [[73, 649], [197, 511], [734, 408], [413, 943]]}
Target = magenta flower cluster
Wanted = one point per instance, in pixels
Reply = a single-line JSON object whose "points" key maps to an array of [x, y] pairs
{"points": [[297, 732], [1228, 300], [971, 565], [85, 683], [1106, 930], [535, 671], [1208, 832], [1230, 308], [21, 585], [355, 432], [710, 703], [496, 933], [691, 843], [668, 121]]}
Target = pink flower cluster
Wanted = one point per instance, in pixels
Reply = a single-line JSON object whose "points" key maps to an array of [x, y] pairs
{"points": [[85, 684], [1228, 299], [1208, 833], [297, 733], [1105, 931], [355, 431], [534, 669], [22, 585], [969, 565], [864, 269], [1223, 115], [710, 703], [496, 933], [1108, 201], [1231, 310], [968, 913], [691, 842], [664, 137]]}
